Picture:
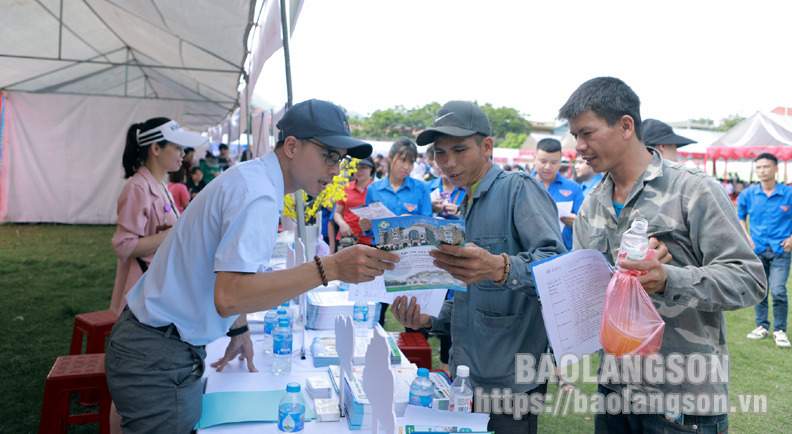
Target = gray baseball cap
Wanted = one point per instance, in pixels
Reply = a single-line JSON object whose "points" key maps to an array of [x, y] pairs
{"points": [[458, 119]]}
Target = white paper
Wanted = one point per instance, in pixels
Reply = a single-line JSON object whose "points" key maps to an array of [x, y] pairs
{"points": [[430, 300], [564, 209], [374, 210], [423, 416], [572, 290]]}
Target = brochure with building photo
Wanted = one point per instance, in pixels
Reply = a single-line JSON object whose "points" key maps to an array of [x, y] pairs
{"points": [[412, 238]]}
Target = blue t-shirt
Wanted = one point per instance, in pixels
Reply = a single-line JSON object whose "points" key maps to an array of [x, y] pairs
{"points": [[618, 207], [588, 186], [457, 194], [565, 190], [770, 217], [412, 197]]}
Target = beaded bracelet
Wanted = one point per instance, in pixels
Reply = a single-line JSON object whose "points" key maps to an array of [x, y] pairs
{"points": [[321, 270], [506, 270]]}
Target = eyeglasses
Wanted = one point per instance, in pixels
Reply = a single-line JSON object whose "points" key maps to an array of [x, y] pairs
{"points": [[331, 157]]}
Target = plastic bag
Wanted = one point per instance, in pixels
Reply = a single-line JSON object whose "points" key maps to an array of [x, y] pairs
{"points": [[630, 322]]}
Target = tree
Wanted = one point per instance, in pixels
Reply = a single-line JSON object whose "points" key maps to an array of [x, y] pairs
{"points": [[513, 140], [727, 123]]}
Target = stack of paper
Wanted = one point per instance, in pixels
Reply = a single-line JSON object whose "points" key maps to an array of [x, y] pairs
{"points": [[324, 307], [318, 386], [357, 407], [323, 350], [442, 390]]}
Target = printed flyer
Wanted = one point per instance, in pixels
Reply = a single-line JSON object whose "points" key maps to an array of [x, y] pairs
{"points": [[412, 238]]}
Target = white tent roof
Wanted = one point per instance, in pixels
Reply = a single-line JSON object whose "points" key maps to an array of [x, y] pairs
{"points": [[761, 129], [191, 51]]}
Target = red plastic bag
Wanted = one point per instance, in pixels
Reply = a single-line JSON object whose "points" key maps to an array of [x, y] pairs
{"points": [[630, 322]]}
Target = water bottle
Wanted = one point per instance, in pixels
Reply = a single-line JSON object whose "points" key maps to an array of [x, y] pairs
{"points": [[343, 286], [360, 318], [461, 391], [270, 322], [290, 314], [634, 242], [282, 348], [291, 410], [421, 389], [284, 313]]}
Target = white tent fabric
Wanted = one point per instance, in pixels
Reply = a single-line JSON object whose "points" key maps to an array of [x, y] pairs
{"points": [[761, 129], [77, 74]]}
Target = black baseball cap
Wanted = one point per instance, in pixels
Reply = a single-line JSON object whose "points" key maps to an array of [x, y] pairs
{"points": [[660, 133], [458, 119], [323, 121], [366, 162]]}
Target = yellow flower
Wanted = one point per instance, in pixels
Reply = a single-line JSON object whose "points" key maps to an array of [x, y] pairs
{"points": [[333, 193]]}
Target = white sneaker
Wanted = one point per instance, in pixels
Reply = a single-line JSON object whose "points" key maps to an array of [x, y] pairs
{"points": [[758, 333], [781, 339]]}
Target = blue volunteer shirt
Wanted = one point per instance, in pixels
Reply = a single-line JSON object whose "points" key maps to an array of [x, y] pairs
{"points": [[565, 190], [588, 186], [457, 195], [412, 197], [770, 217]]}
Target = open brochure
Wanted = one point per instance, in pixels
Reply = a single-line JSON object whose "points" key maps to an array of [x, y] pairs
{"points": [[374, 210], [572, 288], [412, 238]]}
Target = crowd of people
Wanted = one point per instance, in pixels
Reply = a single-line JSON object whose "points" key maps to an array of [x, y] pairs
{"points": [[706, 256]]}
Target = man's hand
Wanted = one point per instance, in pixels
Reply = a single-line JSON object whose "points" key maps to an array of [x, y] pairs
{"points": [[365, 224], [469, 263], [662, 255], [358, 263], [241, 346], [345, 230], [786, 244], [568, 219], [410, 315], [654, 277]]}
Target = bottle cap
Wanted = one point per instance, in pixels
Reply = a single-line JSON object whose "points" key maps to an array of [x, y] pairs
{"points": [[423, 372], [285, 304], [281, 311], [293, 387], [640, 225], [463, 371]]}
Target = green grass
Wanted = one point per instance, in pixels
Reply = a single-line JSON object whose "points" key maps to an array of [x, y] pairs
{"points": [[49, 273]]}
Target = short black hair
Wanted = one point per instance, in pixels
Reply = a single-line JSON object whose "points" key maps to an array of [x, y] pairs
{"points": [[549, 145], [609, 98], [767, 156]]}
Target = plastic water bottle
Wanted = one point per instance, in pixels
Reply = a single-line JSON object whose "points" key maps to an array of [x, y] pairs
{"points": [[343, 286], [289, 313], [284, 313], [282, 348], [634, 242], [360, 318], [270, 322], [291, 410], [421, 389], [461, 391]]}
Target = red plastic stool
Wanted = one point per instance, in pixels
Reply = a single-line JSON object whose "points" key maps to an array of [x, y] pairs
{"points": [[73, 374], [96, 327], [415, 347]]}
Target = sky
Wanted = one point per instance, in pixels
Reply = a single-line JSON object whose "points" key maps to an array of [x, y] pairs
{"points": [[685, 59]]}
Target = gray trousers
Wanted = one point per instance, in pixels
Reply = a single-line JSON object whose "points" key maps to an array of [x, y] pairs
{"points": [[154, 377]]}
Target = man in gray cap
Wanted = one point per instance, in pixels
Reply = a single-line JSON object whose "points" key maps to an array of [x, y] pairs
{"points": [[510, 221], [662, 137]]}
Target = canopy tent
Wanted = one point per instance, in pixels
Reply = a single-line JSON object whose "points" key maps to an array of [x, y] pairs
{"points": [[77, 74], [762, 132]]}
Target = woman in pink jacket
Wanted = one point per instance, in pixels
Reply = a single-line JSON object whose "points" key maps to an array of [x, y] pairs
{"points": [[146, 209]]}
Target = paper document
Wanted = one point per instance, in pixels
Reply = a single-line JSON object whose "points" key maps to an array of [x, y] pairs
{"points": [[374, 210], [431, 301], [572, 289], [564, 209], [427, 419], [412, 238]]}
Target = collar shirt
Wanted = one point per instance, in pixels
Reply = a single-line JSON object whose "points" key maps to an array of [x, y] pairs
{"points": [[411, 198], [565, 190], [512, 213], [231, 226], [713, 267], [354, 198], [588, 186], [770, 216]]}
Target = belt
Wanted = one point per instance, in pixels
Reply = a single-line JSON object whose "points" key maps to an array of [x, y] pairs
{"points": [[169, 331]]}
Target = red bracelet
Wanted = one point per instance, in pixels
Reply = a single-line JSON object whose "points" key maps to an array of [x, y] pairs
{"points": [[321, 270]]}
